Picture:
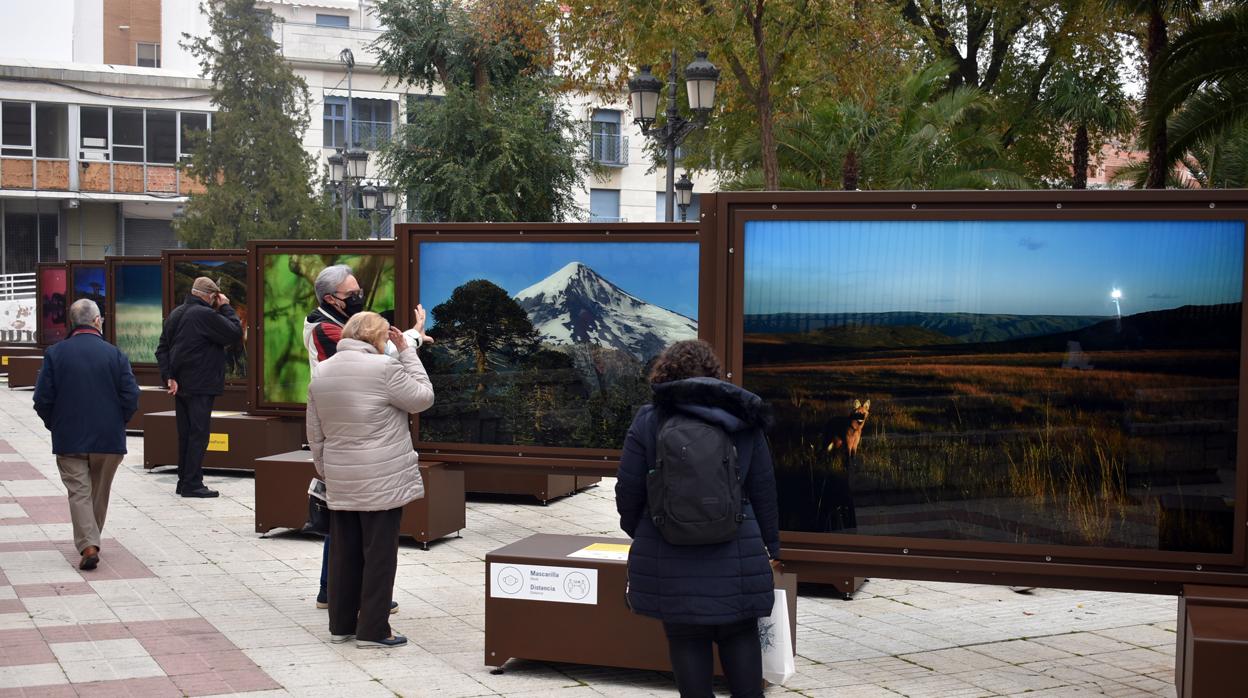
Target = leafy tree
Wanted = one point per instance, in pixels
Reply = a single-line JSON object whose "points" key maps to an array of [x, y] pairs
{"points": [[257, 174], [916, 135], [499, 146], [1200, 83], [480, 317], [1092, 106], [1157, 16], [773, 54]]}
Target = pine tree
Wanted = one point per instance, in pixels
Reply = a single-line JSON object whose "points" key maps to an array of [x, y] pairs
{"points": [[258, 177]]}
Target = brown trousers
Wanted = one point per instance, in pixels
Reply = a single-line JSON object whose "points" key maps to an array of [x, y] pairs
{"points": [[362, 562], [88, 478]]}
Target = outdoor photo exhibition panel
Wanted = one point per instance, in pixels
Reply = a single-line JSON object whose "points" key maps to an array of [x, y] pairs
{"points": [[51, 291], [228, 268], [544, 335], [1041, 383], [86, 279], [281, 284], [134, 318]]}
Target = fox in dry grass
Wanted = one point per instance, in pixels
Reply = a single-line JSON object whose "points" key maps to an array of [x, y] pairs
{"points": [[843, 434]]}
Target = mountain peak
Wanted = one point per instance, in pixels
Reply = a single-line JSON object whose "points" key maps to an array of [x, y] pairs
{"points": [[578, 305]]}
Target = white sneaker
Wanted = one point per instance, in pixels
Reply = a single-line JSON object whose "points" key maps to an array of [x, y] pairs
{"points": [[340, 639]]}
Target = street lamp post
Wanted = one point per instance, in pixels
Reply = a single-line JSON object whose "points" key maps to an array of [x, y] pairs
{"points": [[684, 194], [350, 162], [701, 77]]}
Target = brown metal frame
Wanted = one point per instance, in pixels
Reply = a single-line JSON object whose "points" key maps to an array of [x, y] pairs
{"points": [[551, 459], [39, 269], [255, 288], [976, 561], [169, 258], [110, 297]]}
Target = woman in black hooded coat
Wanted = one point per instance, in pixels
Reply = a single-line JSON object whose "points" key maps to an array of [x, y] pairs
{"points": [[712, 593]]}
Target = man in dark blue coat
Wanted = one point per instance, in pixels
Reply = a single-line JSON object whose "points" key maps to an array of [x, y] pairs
{"points": [[191, 355], [85, 394]]}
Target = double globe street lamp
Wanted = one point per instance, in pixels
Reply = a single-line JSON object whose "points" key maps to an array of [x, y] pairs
{"points": [[701, 77], [380, 198]]}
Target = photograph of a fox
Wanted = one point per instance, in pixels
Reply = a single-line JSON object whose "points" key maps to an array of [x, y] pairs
{"points": [[1071, 383], [549, 343]]}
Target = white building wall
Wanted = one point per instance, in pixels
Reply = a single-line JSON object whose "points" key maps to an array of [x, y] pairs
{"points": [[88, 23], [180, 17], [39, 31]]}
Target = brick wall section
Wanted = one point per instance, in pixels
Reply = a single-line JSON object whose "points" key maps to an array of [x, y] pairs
{"points": [[16, 174], [143, 18], [96, 176], [53, 174], [128, 179], [162, 179]]}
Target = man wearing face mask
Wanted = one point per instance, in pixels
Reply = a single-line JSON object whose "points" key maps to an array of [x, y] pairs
{"points": [[340, 297], [191, 355], [85, 395]]}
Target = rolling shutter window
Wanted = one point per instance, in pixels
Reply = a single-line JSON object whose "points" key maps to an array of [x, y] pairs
{"points": [[147, 236]]}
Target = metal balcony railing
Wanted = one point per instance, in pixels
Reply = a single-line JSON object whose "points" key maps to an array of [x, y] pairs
{"points": [[609, 149], [371, 135], [17, 286]]}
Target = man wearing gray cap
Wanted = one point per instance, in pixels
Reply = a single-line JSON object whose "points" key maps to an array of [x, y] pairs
{"points": [[191, 355]]}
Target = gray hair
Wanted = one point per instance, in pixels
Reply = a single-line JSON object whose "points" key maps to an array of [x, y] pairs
{"points": [[328, 281], [83, 313]]}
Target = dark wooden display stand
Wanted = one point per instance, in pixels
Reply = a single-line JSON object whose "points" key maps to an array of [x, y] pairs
{"points": [[249, 437], [553, 631], [844, 583], [282, 497], [1213, 642], [154, 398], [483, 479], [8, 352], [24, 371]]}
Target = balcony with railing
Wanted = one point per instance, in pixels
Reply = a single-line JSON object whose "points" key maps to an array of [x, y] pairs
{"points": [[301, 41], [609, 149], [371, 135]]}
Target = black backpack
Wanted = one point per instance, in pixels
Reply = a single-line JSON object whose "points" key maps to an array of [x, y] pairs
{"points": [[694, 490]]}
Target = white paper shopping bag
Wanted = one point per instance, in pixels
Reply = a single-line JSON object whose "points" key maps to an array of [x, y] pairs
{"points": [[773, 634]]}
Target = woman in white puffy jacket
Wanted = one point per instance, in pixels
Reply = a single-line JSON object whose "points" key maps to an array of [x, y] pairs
{"points": [[358, 406]]}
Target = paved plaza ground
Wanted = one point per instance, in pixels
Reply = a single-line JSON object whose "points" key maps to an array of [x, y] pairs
{"points": [[189, 600]]}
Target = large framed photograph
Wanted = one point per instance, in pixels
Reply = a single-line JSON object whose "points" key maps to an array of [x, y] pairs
{"points": [[964, 379], [134, 319], [281, 282], [51, 294], [87, 279], [544, 336], [228, 268]]}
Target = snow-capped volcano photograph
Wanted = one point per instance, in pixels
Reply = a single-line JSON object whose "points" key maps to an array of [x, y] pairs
{"points": [[548, 343]]}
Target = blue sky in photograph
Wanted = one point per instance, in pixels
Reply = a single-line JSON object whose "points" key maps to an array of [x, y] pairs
{"points": [[662, 273], [85, 276], [996, 267], [138, 283]]}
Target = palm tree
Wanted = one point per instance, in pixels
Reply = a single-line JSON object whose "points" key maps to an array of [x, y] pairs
{"points": [[916, 135], [1094, 105], [1157, 13], [1201, 82]]}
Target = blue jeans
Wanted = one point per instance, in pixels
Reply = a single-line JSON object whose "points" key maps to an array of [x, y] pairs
{"points": [[324, 571]]}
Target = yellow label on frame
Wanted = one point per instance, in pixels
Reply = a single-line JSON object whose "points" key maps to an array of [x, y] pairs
{"points": [[219, 442], [4, 361]]}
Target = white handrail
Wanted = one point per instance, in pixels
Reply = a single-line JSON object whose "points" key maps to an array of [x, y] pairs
{"points": [[17, 286]]}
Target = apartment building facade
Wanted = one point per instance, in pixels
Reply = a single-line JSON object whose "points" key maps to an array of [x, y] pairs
{"points": [[99, 102]]}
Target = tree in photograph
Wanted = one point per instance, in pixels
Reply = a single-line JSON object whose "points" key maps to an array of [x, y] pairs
{"points": [[482, 318], [1091, 106], [258, 177], [499, 146]]}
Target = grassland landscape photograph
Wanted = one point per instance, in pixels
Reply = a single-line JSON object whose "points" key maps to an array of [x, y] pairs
{"points": [[231, 278], [1072, 383], [52, 289], [139, 311], [549, 343], [289, 297]]}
